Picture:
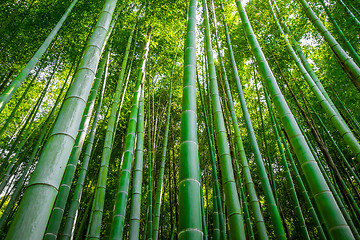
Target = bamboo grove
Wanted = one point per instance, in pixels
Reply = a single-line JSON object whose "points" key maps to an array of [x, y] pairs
{"points": [[198, 119]]}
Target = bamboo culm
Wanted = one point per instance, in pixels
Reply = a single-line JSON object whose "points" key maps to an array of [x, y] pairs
{"points": [[135, 212], [16, 83], [118, 220], [159, 191], [96, 214], [234, 211], [347, 62], [64, 190], [190, 223], [35, 207], [332, 112]]}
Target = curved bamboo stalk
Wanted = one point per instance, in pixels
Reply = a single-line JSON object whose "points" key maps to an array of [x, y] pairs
{"points": [[259, 220], [222, 220], [15, 109], [349, 12], [334, 191], [298, 211], [355, 123], [218, 212], [73, 209], [304, 60], [339, 179], [349, 167], [347, 62], [27, 126], [321, 230], [354, 54], [45, 130], [327, 205], [333, 114], [16, 83], [149, 222]]}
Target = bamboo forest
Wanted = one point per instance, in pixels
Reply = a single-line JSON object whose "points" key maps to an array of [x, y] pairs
{"points": [[169, 119]]}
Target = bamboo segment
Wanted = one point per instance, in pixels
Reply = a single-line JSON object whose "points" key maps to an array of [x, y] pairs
{"points": [[300, 216], [349, 12], [354, 54], [331, 110], [45, 130], [259, 163], [219, 225], [159, 191]]}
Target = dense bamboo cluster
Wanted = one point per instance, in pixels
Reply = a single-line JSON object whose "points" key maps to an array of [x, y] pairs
{"points": [[212, 119]]}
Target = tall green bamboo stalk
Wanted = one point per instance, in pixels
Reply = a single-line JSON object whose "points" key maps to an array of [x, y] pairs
{"points": [[10, 118], [333, 114], [304, 192], [190, 223], [274, 212], [151, 135], [349, 113], [339, 179], [135, 212], [333, 189], [348, 64], [27, 132], [97, 212], [322, 195], [45, 130], [16, 83], [218, 212], [349, 167], [234, 211], [349, 12], [259, 220], [294, 197], [203, 214], [64, 190], [216, 233], [73, 209], [118, 221], [354, 54], [306, 64], [35, 207]]}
